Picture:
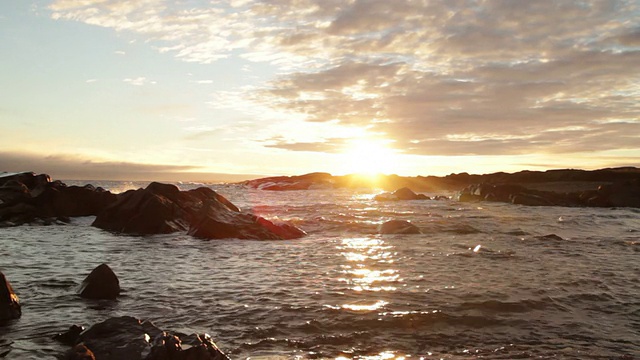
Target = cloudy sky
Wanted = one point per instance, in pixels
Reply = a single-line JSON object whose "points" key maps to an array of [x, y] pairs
{"points": [[98, 88]]}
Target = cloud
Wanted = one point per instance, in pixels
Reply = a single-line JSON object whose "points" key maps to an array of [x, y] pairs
{"points": [[438, 77], [139, 81], [64, 166]]}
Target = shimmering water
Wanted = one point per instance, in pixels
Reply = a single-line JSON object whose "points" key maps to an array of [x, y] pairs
{"points": [[479, 282]]}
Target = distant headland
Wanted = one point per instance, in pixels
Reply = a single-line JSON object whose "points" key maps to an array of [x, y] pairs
{"points": [[560, 180]]}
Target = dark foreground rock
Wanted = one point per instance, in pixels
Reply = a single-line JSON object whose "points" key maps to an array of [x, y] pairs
{"points": [[398, 227], [27, 197], [101, 283], [129, 338], [9, 302], [619, 194], [401, 194], [163, 208]]}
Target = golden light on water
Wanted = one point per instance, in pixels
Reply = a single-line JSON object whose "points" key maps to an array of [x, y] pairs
{"points": [[362, 272]]}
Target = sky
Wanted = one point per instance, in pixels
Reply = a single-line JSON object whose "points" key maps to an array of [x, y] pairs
{"points": [[155, 89]]}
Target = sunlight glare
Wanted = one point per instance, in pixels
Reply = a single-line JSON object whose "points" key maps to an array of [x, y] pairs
{"points": [[368, 157]]}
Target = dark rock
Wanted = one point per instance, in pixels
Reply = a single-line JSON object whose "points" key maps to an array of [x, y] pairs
{"points": [[30, 198], [465, 197], [530, 200], [101, 283], [624, 194], [71, 336], [117, 338], [401, 194], [9, 302], [81, 201], [144, 211], [131, 339], [398, 227], [79, 352], [221, 225], [162, 208], [549, 237], [200, 347]]}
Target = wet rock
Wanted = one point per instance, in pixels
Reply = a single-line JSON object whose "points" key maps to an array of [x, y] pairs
{"points": [[221, 225], [465, 197], [530, 200], [128, 338], [71, 336], [624, 194], [195, 347], [101, 283], [9, 302], [79, 352], [117, 338], [549, 237], [401, 194], [398, 227], [163, 208], [30, 198]]}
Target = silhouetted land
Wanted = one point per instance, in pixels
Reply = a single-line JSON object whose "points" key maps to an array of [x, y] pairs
{"points": [[564, 180]]}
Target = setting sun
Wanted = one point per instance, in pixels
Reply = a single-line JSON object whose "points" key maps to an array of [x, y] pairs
{"points": [[368, 157]]}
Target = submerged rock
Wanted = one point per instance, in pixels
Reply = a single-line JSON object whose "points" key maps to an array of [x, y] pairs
{"points": [[398, 227], [129, 338], [101, 283], [9, 302]]}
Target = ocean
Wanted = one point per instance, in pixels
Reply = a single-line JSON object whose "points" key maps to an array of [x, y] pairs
{"points": [[482, 281]]}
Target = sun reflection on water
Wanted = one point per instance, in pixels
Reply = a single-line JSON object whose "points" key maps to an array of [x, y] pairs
{"points": [[367, 271]]}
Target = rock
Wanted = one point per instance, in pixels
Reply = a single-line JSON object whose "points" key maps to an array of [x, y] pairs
{"points": [[28, 198], [530, 200], [217, 225], [128, 338], [201, 347], [401, 194], [145, 211], [79, 352], [465, 197], [71, 336], [549, 237], [398, 227], [163, 208], [625, 194], [81, 201], [117, 338], [9, 302], [101, 283]]}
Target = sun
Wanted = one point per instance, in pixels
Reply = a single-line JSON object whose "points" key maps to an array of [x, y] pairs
{"points": [[368, 157]]}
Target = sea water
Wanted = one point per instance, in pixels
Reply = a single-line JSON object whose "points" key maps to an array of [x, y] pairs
{"points": [[482, 281]]}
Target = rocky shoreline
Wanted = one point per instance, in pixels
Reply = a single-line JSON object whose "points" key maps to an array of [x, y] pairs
{"points": [[115, 338], [157, 209], [613, 187]]}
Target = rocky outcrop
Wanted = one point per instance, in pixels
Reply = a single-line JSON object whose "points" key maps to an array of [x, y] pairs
{"points": [[129, 338], [401, 194], [163, 208], [398, 227], [27, 197], [288, 183], [566, 178], [101, 283], [618, 194], [9, 302]]}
